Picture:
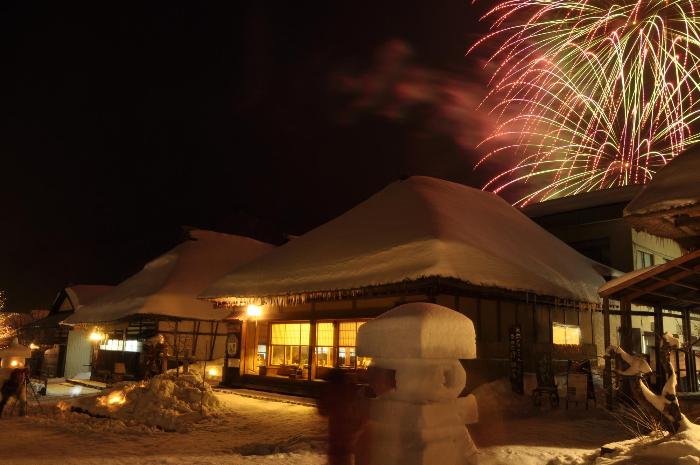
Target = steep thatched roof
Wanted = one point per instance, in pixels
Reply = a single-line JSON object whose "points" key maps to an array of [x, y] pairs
{"points": [[418, 228]]}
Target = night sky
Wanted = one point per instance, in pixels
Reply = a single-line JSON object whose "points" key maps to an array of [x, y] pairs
{"points": [[122, 121]]}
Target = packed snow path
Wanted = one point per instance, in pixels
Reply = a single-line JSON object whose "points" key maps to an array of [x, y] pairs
{"points": [[255, 431]]}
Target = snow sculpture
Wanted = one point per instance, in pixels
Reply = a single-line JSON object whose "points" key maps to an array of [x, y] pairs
{"points": [[422, 420]]}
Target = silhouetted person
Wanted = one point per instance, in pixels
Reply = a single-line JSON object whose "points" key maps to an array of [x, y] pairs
{"points": [[345, 405], [15, 387]]}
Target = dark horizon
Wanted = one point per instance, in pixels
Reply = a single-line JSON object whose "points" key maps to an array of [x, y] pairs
{"points": [[124, 123]]}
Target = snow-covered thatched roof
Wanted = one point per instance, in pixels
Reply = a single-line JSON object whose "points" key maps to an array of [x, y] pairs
{"points": [[83, 294], [168, 286], [677, 185], [418, 228], [669, 206]]}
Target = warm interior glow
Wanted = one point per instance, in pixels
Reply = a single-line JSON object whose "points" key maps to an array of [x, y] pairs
{"points": [[254, 310], [33, 346], [14, 363], [96, 336], [566, 334], [213, 372]]}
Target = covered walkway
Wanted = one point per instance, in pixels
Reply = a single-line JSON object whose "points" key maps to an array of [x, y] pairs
{"points": [[654, 300]]}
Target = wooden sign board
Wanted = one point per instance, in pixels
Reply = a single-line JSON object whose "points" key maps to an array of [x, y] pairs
{"points": [[577, 387], [515, 344]]}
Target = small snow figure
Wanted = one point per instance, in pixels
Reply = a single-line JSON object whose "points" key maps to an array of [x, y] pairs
{"points": [[343, 402], [15, 386]]}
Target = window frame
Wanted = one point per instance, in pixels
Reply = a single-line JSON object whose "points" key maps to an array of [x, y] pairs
{"points": [[566, 328], [271, 347]]}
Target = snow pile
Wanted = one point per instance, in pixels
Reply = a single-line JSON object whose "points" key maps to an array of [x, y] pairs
{"points": [[682, 448], [417, 228], [165, 401], [63, 417], [496, 401]]}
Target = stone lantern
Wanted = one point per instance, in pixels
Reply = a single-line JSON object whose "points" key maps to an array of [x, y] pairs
{"points": [[13, 356], [422, 420]]}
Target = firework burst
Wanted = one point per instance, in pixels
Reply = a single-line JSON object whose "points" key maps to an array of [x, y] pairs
{"points": [[590, 95]]}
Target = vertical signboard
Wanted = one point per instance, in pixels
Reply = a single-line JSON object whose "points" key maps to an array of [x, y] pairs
{"points": [[232, 368], [515, 343]]}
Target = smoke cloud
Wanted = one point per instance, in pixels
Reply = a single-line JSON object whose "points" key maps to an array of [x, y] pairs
{"points": [[396, 87]]}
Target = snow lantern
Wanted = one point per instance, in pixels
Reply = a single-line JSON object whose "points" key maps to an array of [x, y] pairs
{"points": [[422, 421], [15, 355]]}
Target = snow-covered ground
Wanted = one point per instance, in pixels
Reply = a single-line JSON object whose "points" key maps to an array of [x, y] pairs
{"points": [[246, 431], [257, 431]]}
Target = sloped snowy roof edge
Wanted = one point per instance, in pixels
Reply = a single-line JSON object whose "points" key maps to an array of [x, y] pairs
{"points": [[168, 285], [380, 289]]}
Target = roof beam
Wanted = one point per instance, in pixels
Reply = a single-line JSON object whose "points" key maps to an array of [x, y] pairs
{"points": [[668, 296], [684, 273], [672, 283]]}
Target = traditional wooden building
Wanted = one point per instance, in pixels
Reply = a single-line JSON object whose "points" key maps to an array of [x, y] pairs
{"points": [[664, 297], [161, 300], [594, 224], [421, 239], [58, 351]]}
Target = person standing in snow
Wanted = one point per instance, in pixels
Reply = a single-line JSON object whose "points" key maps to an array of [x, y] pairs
{"points": [[343, 402], [15, 386], [156, 356]]}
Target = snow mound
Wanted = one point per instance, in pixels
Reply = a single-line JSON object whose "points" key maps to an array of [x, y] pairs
{"points": [[496, 401], [167, 401], [682, 448]]}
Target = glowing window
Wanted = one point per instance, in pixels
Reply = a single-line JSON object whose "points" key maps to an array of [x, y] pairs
{"points": [[290, 334], [347, 340], [120, 345], [324, 344], [324, 334], [289, 344], [566, 334], [347, 336]]}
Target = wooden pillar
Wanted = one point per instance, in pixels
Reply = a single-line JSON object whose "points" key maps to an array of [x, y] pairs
{"points": [[691, 375], [176, 346], [626, 326], [607, 373], [498, 320], [478, 320], [312, 351], [626, 342], [659, 330]]}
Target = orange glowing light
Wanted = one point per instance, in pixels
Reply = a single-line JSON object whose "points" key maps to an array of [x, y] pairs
{"points": [[114, 398], [254, 310]]}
